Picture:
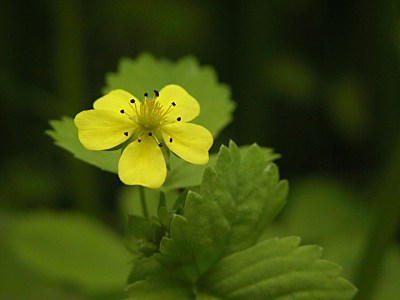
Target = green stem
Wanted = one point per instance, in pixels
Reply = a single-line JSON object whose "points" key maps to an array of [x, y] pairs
{"points": [[383, 228], [143, 202]]}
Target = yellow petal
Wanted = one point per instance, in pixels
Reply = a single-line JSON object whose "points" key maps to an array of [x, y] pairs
{"points": [[100, 129], [189, 141], [117, 100], [142, 163], [186, 107]]}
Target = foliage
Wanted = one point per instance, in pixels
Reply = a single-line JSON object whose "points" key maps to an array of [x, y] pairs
{"points": [[71, 248], [214, 251]]}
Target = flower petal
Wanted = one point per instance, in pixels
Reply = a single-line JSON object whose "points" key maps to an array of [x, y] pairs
{"points": [[142, 163], [117, 100], [186, 107], [100, 129], [189, 141]]}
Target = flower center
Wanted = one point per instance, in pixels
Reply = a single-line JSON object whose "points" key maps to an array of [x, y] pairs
{"points": [[149, 117]]}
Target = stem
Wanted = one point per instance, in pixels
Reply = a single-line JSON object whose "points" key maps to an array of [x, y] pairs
{"points": [[143, 201], [383, 228]]}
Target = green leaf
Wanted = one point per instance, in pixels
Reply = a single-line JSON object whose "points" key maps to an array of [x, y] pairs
{"points": [[327, 202], [184, 175], [214, 248], [388, 284], [277, 269], [156, 289], [18, 281], [143, 236], [147, 73], [236, 202], [72, 249], [144, 267], [65, 135]]}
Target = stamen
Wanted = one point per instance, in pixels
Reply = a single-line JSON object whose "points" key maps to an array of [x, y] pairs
{"points": [[122, 111], [173, 104], [139, 140], [179, 118], [168, 109], [156, 93], [132, 101], [155, 139], [126, 133], [170, 140]]}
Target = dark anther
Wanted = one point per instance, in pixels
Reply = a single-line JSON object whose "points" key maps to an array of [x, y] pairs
{"points": [[126, 133], [179, 118], [156, 93], [160, 144], [122, 111], [173, 103], [132, 100], [170, 140], [150, 134], [139, 140], [145, 94]]}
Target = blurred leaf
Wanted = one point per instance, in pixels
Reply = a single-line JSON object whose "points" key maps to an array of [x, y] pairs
{"points": [[156, 289], [147, 73], [20, 282], [65, 135], [388, 283], [342, 219], [326, 202], [71, 248], [277, 269], [236, 202]]}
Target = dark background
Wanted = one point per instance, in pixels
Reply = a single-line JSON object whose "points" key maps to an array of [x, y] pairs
{"points": [[318, 81]]}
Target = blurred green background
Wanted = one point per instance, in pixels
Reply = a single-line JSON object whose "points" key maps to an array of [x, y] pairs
{"points": [[316, 80]]}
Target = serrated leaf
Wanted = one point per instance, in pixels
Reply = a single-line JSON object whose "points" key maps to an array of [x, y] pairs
{"points": [[237, 200], [277, 269], [71, 248], [186, 175], [65, 135], [214, 246], [147, 73]]}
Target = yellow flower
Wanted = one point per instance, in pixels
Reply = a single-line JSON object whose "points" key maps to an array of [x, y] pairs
{"points": [[148, 125]]}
